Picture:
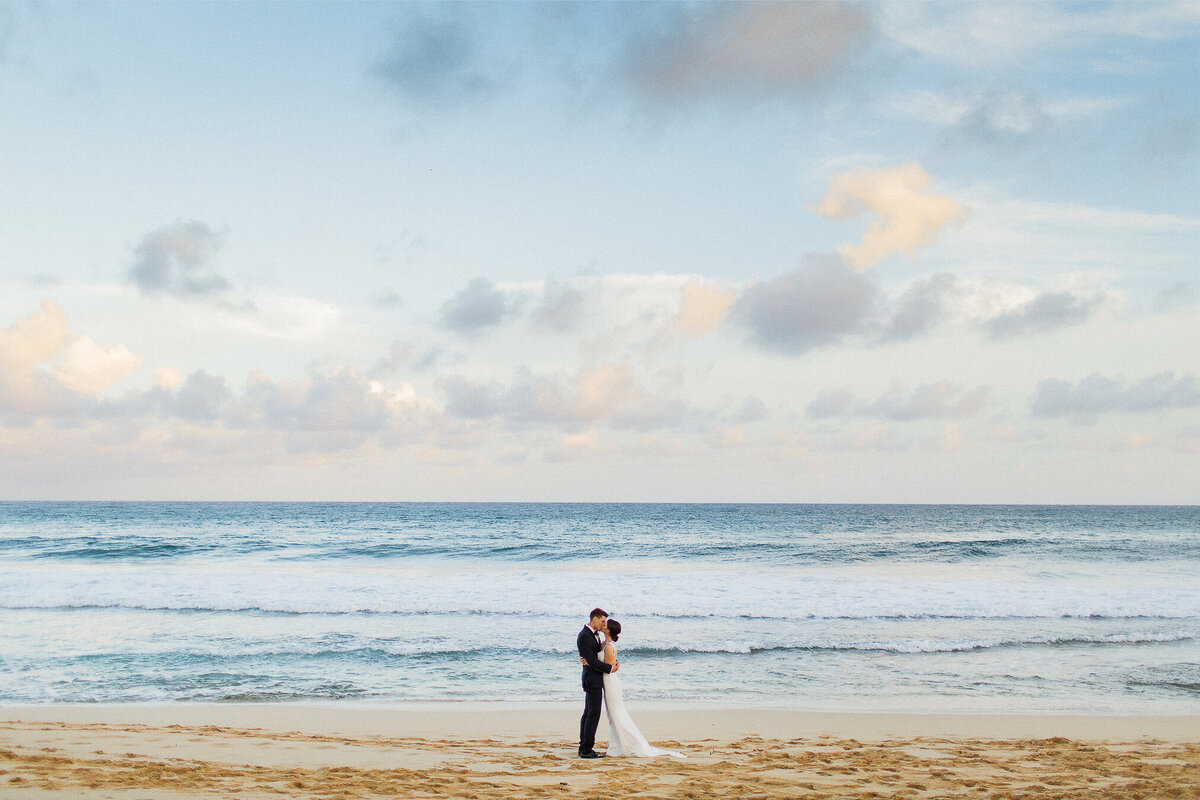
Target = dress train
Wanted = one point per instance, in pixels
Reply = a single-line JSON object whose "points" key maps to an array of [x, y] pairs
{"points": [[624, 738]]}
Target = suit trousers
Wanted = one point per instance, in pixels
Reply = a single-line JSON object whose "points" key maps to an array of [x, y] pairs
{"points": [[593, 705]]}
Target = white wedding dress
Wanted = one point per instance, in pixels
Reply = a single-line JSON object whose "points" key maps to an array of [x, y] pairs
{"points": [[624, 738]]}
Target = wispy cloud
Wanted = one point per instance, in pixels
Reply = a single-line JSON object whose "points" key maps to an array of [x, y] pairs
{"points": [[438, 61], [1047, 312], [941, 400], [982, 34]]}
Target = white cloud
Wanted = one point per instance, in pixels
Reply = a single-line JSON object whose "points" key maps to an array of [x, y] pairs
{"points": [[605, 390], [35, 340], [703, 307], [907, 215], [282, 317], [169, 378], [573, 447], [42, 364], [90, 368]]}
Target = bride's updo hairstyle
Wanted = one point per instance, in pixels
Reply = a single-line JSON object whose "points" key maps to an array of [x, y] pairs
{"points": [[614, 629]]}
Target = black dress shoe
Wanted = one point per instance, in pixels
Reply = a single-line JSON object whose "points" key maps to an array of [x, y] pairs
{"points": [[591, 754]]}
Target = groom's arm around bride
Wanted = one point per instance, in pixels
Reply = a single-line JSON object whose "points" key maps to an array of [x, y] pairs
{"points": [[589, 653]]}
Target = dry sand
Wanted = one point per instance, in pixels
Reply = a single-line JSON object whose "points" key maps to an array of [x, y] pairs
{"points": [[136, 752]]}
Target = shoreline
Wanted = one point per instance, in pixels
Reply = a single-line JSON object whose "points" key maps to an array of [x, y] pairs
{"points": [[558, 719], [454, 750]]}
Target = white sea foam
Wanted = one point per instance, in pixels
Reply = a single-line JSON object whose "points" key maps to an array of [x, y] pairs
{"points": [[701, 593]]}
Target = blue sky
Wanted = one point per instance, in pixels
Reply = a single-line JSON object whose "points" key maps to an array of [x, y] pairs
{"points": [[891, 252]]}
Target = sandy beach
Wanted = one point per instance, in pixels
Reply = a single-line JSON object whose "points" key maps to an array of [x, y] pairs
{"points": [[527, 751]]}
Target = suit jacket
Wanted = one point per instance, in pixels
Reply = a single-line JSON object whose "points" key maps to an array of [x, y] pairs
{"points": [[589, 649]]}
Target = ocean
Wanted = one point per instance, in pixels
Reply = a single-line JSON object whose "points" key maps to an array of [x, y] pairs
{"points": [[1039, 609]]}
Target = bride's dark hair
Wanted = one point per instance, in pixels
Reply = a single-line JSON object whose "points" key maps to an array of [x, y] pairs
{"points": [[614, 629]]}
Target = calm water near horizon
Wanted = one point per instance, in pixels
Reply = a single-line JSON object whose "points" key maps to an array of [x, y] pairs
{"points": [[1086, 609]]}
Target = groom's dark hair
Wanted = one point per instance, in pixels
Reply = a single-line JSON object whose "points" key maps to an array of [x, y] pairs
{"points": [[598, 612]]}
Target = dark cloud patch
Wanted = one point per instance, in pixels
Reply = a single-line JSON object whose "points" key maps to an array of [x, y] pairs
{"points": [[176, 260], [338, 401], [922, 306], [816, 304], [477, 306], [407, 356], [468, 399], [1176, 296], [561, 308], [202, 397], [437, 61], [1096, 394], [749, 50], [528, 399], [941, 400], [605, 394], [533, 398], [1047, 312], [753, 409], [387, 298], [831, 403]]}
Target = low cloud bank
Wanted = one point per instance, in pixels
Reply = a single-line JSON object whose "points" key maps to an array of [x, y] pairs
{"points": [[1097, 394]]}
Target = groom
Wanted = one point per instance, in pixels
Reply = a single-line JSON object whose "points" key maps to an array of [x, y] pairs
{"points": [[591, 642]]}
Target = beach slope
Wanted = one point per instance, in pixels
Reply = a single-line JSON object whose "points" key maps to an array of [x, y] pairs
{"points": [[488, 751]]}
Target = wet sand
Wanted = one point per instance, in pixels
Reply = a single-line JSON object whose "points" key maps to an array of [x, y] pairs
{"points": [[489, 751]]}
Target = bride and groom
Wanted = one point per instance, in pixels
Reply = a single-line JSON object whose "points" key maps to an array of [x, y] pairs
{"points": [[602, 686]]}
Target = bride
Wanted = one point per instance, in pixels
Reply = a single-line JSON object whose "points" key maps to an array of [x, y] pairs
{"points": [[624, 738]]}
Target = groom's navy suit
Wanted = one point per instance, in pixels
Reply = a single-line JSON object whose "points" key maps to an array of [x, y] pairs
{"points": [[593, 687]]}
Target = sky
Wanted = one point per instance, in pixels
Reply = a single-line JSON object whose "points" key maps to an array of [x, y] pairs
{"points": [[739, 252]]}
